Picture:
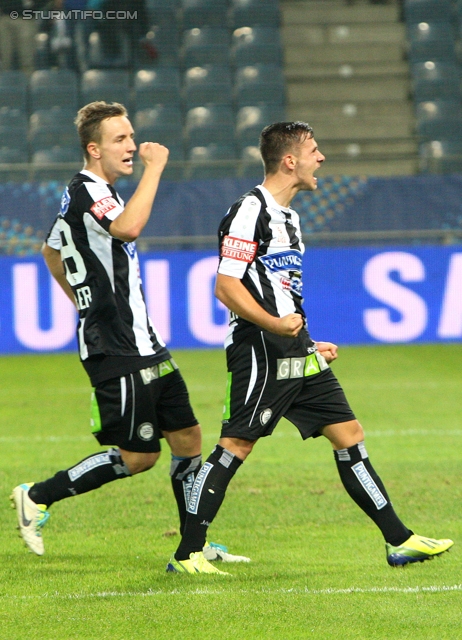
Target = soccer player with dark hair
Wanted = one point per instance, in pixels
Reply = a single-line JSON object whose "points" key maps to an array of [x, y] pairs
{"points": [[139, 394], [275, 368]]}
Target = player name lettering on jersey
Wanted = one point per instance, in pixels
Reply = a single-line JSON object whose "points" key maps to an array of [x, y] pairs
{"points": [[103, 206], [238, 249]]}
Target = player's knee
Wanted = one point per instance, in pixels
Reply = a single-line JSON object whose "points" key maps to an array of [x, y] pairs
{"points": [[139, 462]]}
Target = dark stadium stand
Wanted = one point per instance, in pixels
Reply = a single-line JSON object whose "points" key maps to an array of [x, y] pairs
{"points": [[216, 55]]}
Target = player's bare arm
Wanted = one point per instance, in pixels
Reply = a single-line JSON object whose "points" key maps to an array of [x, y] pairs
{"points": [[131, 222], [55, 266], [327, 349], [235, 296]]}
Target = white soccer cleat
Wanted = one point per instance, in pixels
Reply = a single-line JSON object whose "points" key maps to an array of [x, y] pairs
{"points": [[31, 518], [213, 551]]}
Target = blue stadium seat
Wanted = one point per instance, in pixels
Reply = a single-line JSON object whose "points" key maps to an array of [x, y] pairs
{"points": [[108, 85], [252, 45], [251, 120], [13, 130], [209, 124], [98, 58], [251, 162], [56, 155], [156, 86], [431, 41], [50, 87], [205, 45], [439, 120], [207, 84], [250, 13], [13, 89], [211, 161], [441, 156], [163, 12], [433, 80], [11, 155], [259, 83], [161, 123], [425, 10], [198, 13], [161, 47], [49, 127]]}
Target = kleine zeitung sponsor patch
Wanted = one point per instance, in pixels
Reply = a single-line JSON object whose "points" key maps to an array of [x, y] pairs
{"points": [[238, 249]]}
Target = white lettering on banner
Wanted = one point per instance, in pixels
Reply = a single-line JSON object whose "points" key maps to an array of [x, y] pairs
{"points": [[26, 311], [157, 289], [450, 325], [201, 303], [407, 303]]}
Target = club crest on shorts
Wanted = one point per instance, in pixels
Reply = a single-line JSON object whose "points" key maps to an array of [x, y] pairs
{"points": [[146, 431], [265, 416]]}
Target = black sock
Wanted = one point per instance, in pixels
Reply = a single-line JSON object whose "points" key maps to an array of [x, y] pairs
{"points": [[367, 490], [207, 495], [91, 473], [183, 472]]}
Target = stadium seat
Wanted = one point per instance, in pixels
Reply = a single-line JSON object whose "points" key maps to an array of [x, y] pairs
{"points": [[250, 13], [108, 85], [431, 41], [433, 80], [161, 123], [56, 155], [13, 89], [160, 47], [163, 12], [424, 10], [251, 162], [156, 86], [207, 84], [49, 127], [209, 124], [13, 130], [441, 156], [97, 58], [252, 45], [205, 45], [211, 161], [259, 83], [198, 13], [439, 120], [50, 87], [251, 120], [11, 155]]}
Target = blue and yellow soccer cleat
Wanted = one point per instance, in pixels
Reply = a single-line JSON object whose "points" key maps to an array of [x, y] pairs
{"points": [[32, 518], [196, 564], [416, 549], [214, 551]]}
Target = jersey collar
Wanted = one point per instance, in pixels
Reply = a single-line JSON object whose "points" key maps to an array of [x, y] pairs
{"points": [[93, 176], [271, 202]]}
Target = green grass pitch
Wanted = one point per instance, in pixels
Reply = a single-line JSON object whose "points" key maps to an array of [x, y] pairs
{"points": [[318, 565]]}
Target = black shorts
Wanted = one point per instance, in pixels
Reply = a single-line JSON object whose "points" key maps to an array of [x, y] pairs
{"points": [[270, 377], [132, 411]]}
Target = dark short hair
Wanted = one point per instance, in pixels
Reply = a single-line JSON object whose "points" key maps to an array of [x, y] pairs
{"points": [[280, 137], [90, 117]]}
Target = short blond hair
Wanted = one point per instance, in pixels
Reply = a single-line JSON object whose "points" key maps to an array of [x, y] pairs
{"points": [[90, 117]]}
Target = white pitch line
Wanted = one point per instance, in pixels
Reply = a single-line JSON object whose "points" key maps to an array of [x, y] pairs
{"points": [[213, 591]]}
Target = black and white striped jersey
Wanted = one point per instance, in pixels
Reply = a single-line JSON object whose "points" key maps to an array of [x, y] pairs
{"points": [[261, 243], [105, 277]]}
